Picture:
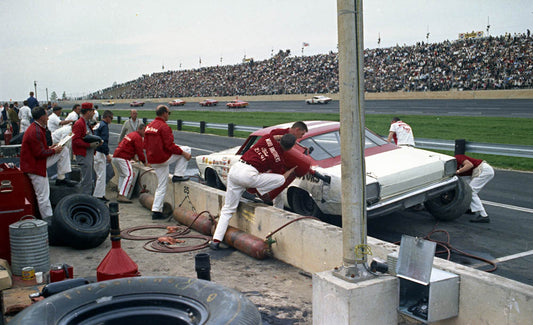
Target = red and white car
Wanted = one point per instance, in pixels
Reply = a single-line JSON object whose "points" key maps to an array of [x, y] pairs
{"points": [[209, 102], [396, 177], [177, 102], [319, 99], [237, 103], [136, 104]]}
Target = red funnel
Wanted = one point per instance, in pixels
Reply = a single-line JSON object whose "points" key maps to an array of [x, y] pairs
{"points": [[116, 264]]}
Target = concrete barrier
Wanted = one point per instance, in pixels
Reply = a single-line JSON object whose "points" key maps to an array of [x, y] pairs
{"points": [[316, 247]]}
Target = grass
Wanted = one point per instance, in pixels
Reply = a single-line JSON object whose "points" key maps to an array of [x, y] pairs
{"points": [[476, 129]]}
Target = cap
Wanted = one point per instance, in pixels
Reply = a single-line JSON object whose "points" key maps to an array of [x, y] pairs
{"points": [[57, 108], [87, 105]]}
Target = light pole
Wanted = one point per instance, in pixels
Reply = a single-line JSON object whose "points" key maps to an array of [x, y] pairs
{"points": [[35, 87]]}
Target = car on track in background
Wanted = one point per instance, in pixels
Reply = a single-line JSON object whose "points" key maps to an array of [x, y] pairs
{"points": [[237, 103], [208, 102], [319, 99], [108, 103], [397, 177], [176, 102], [137, 104]]}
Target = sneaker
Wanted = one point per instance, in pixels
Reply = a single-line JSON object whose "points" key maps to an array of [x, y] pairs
{"points": [[123, 199], [214, 245], [67, 182], [177, 179], [480, 219], [103, 198], [158, 216]]}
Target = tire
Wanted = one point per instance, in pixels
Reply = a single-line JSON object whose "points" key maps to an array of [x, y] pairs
{"points": [[143, 300], [302, 203], [212, 180], [81, 220], [452, 204], [57, 193]]}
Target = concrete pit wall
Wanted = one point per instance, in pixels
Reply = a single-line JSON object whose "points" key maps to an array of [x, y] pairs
{"points": [[314, 246]]}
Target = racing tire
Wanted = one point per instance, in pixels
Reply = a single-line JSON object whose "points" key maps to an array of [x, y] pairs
{"points": [[143, 300], [302, 203], [80, 221], [212, 180], [451, 204], [57, 193]]}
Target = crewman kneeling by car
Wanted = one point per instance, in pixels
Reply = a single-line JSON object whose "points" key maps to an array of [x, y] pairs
{"points": [[261, 167], [36, 156]]}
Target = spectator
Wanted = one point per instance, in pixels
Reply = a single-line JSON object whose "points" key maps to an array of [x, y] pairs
{"points": [[32, 101], [401, 133], [24, 117], [14, 118]]}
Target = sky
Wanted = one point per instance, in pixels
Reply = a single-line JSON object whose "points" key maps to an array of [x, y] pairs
{"points": [[81, 46]]}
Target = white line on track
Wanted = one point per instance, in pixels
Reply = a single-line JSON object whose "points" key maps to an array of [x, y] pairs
{"points": [[507, 206]]}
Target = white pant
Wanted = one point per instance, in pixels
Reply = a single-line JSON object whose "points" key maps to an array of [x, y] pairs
{"points": [[41, 185], [99, 167], [240, 177], [125, 175], [477, 183], [161, 171]]}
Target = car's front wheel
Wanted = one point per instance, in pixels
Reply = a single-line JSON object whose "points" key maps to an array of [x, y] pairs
{"points": [[452, 204], [212, 180], [302, 203]]}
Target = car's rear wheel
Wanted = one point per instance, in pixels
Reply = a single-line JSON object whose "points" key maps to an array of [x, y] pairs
{"points": [[302, 203], [451, 204], [212, 180]]}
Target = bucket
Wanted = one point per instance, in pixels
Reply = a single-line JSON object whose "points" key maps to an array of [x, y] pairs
{"points": [[29, 245]]}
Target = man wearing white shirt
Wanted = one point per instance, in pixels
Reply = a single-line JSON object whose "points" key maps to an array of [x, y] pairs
{"points": [[75, 114], [401, 132], [24, 117], [54, 120]]}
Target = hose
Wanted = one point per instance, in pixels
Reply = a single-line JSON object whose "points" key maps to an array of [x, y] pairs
{"points": [[127, 233]]}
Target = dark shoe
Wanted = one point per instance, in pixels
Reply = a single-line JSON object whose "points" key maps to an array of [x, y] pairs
{"points": [[67, 182], [177, 179], [214, 245], [158, 216], [480, 219], [103, 198]]}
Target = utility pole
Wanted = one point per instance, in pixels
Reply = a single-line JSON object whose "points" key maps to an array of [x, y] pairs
{"points": [[35, 87], [488, 26], [352, 117], [46, 94]]}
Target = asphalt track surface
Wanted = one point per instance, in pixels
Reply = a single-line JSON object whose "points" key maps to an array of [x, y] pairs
{"points": [[507, 199]]}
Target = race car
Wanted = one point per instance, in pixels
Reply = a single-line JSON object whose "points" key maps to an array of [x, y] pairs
{"points": [[136, 104], [318, 100], [108, 103], [209, 102], [397, 177], [237, 103], [177, 102]]}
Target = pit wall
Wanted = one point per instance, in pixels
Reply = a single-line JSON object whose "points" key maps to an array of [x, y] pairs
{"points": [[314, 246]]}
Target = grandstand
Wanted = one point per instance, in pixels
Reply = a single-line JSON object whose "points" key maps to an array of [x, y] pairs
{"points": [[490, 63]]}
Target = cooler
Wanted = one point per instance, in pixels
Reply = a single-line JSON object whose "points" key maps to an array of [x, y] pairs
{"points": [[17, 199]]}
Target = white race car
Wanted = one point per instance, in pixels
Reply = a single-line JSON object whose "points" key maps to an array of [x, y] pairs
{"points": [[318, 100], [396, 177]]}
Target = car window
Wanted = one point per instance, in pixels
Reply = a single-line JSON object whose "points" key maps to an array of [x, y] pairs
{"points": [[249, 143]]}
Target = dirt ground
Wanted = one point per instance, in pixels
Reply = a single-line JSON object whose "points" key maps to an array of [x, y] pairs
{"points": [[282, 293]]}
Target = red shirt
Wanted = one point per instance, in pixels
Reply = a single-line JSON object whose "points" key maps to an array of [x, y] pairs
{"points": [[79, 130], [279, 131], [159, 142], [266, 155], [462, 158], [34, 150], [129, 146]]}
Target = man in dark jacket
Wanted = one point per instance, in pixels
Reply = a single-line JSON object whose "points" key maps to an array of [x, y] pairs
{"points": [[102, 156]]}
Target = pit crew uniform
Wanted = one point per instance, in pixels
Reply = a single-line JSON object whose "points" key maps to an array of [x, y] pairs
{"points": [[161, 151], [84, 154], [261, 167], [35, 157], [100, 159], [403, 134], [131, 145], [480, 175]]}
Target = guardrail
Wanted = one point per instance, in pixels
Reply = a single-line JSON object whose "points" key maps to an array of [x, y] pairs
{"points": [[508, 150]]}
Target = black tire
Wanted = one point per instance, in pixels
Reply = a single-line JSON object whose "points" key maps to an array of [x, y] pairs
{"points": [[81, 220], [302, 203], [452, 204], [57, 193], [143, 300], [212, 180]]}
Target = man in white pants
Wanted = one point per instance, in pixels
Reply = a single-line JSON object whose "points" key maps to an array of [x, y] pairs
{"points": [[480, 173], [261, 167], [129, 148], [36, 156], [161, 151], [102, 156]]}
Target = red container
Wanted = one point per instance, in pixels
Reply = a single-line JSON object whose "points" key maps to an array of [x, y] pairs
{"points": [[60, 272], [8, 134], [17, 199]]}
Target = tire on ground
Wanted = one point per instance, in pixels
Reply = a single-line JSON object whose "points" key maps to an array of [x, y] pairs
{"points": [[148, 300], [81, 221], [57, 193], [452, 204]]}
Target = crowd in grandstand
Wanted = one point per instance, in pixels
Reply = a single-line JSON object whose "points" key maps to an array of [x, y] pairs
{"points": [[503, 62]]}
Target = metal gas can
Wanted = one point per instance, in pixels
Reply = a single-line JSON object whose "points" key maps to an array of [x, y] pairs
{"points": [[29, 245]]}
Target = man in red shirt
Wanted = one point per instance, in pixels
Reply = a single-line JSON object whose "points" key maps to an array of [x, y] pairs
{"points": [[262, 168], [161, 151], [480, 173], [130, 147], [36, 156], [84, 151]]}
